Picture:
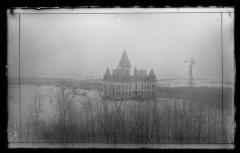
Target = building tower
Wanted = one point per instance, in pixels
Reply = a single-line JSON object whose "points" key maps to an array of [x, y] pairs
{"points": [[124, 63], [121, 85]]}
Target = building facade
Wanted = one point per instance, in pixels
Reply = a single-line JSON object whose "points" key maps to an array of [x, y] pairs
{"points": [[121, 85]]}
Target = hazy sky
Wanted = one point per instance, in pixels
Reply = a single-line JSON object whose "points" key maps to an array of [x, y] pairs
{"points": [[83, 45]]}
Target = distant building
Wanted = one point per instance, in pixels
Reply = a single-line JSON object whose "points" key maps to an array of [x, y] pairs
{"points": [[121, 85]]}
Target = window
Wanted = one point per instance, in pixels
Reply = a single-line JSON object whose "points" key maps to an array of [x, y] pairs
{"points": [[129, 86], [129, 93], [136, 86]]}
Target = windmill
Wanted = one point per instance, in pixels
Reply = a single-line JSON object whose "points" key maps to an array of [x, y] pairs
{"points": [[191, 62]]}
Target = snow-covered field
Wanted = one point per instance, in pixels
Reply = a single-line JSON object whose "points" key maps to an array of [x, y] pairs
{"points": [[38, 115], [197, 83]]}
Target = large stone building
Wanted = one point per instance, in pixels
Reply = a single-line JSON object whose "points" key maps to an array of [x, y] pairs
{"points": [[121, 85]]}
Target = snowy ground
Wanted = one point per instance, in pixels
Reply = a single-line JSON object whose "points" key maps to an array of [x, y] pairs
{"points": [[197, 83], [25, 113]]}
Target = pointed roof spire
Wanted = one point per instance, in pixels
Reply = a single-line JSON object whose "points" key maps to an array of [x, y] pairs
{"points": [[107, 74], [124, 61], [152, 76]]}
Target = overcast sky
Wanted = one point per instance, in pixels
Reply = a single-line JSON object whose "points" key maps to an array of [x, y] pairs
{"points": [[84, 45]]}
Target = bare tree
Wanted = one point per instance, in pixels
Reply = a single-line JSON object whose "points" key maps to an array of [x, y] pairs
{"points": [[105, 122], [118, 122], [117, 105], [29, 119], [37, 109], [67, 94]]}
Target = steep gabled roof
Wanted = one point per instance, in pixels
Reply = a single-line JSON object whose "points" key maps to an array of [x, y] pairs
{"points": [[124, 61], [107, 74], [152, 76]]}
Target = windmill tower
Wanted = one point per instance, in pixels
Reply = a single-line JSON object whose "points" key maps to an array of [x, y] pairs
{"points": [[191, 62]]}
